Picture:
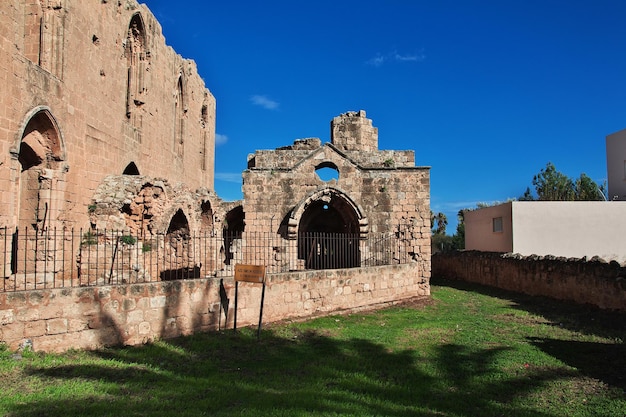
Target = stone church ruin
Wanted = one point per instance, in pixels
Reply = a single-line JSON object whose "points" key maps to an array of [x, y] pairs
{"points": [[107, 141]]}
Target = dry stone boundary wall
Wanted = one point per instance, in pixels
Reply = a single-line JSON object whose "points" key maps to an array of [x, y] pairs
{"points": [[593, 281], [55, 320]]}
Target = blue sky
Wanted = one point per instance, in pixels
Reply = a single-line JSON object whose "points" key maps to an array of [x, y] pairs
{"points": [[485, 92]]}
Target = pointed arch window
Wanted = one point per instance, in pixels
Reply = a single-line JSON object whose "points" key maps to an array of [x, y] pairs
{"points": [[137, 61], [204, 117], [131, 169], [179, 115]]}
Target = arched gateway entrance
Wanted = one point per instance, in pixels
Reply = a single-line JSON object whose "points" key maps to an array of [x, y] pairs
{"points": [[328, 226]]}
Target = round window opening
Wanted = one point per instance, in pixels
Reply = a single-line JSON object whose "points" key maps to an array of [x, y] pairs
{"points": [[327, 172]]}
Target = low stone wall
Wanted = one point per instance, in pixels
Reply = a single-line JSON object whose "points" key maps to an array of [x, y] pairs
{"points": [[92, 317], [583, 281]]}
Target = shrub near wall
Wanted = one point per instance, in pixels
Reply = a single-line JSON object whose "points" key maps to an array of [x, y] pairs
{"points": [[583, 281], [92, 317]]}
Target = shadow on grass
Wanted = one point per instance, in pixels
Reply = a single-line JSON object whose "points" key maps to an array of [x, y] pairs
{"points": [[222, 374], [603, 361], [585, 319]]}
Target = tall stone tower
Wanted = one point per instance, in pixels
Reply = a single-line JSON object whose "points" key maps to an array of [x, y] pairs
{"points": [[352, 131]]}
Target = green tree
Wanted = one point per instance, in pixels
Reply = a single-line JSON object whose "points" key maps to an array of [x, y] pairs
{"points": [[552, 185], [586, 189], [527, 196], [441, 222], [458, 240]]}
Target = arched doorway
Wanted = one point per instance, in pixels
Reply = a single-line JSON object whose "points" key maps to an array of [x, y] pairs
{"points": [[40, 151], [329, 227], [179, 253], [234, 226], [39, 154]]}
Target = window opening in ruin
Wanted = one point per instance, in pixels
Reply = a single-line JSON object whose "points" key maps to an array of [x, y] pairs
{"points": [[178, 250], [204, 117], [234, 226], [327, 171], [328, 235], [131, 169], [179, 113], [206, 216], [137, 63]]}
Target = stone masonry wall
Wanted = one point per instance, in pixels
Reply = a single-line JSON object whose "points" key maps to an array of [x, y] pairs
{"points": [[89, 318], [385, 184], [375, 192], [112, 92], [586, 282]]}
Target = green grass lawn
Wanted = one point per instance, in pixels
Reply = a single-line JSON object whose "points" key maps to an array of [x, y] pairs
{"points": [[470, 351]]}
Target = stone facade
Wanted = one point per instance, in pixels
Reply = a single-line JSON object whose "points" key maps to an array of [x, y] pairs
{"points": [[107, 205], [374, 191], [90, 89]]}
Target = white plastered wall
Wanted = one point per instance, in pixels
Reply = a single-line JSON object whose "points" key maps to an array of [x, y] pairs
{"points": [[570, 228]]}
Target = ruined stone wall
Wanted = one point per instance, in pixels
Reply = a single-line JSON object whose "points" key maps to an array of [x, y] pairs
{"points": [[383, 189], [352, 131], [90, 318], [583, 281], [108, 91]]}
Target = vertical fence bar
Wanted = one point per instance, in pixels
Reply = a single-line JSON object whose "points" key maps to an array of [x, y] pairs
{"points": [[25, 253], [35, 261], [54, 258], [71, 254], [4, 259]]}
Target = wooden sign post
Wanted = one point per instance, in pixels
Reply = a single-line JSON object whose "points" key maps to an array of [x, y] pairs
{"points": [[254, 274]]}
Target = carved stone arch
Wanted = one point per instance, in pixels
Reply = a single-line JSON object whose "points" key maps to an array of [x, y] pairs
{"points": [[40, 119], [136, 40], [164, 222], [328, 198], [38, 153], [137, 59]]}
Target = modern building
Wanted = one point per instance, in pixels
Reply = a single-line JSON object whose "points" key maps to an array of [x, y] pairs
{"points": [[560, 228]]}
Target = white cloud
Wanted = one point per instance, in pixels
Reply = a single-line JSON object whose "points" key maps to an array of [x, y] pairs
{"points": [[264, 101], [229, 177], [377, 61], [220, 139], [394, 56]]}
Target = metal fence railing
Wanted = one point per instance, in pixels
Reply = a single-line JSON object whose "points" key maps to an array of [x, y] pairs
{"points": [[68, 258]]}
